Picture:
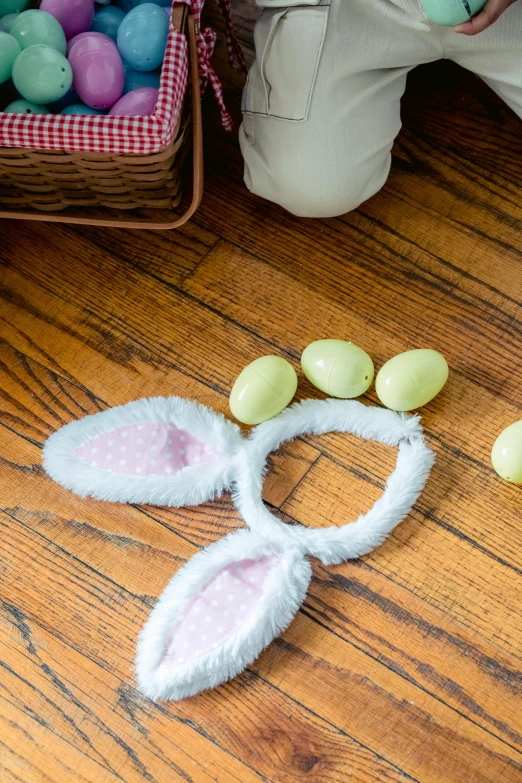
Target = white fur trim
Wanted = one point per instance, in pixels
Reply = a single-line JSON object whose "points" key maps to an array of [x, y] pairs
{"points": [[284, 591], [191, 486], [335, 544]]}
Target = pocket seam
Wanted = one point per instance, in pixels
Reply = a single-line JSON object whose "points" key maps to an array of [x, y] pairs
{"points": [[267, 113]]}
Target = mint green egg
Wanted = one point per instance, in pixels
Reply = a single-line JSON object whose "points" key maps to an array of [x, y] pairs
{"points": [[506, 454], [8, 20], [338, 368], [9, 51], [263, 389], [41, 74], [39, 27], [451, 12], [410, 380], [12, 6], [25, 107]]}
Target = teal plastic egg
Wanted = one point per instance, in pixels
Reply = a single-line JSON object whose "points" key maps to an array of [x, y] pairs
{"points": [[263, 389], [38, 27], [451, 12], [41, 74], [8, 20], [506, 454], [25, 107], [107, 20], [79, 108], [9, 51], [12, 6]]}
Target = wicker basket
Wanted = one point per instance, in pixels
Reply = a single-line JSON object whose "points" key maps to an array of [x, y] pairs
{"points": [[82, 187]]}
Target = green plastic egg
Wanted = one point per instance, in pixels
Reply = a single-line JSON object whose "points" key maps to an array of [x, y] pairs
{"points": [[24, 107], [263, 389], [338, 368], [506, 454], [41, 74], [8, 20], [12, 6], [9, 51], [38, 27], [411, 379]]}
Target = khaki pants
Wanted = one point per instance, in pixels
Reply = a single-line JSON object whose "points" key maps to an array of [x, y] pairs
{"points": [[321, 107]]}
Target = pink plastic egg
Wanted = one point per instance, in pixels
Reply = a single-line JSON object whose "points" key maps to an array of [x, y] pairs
{"points": [[75, 16], [137, 103], [97, 68]]}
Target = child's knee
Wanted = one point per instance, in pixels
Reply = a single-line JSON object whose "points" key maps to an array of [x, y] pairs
{"points": [[309, 187]]}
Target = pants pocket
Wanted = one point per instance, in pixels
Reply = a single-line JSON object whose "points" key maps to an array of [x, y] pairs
{"points": [[289, 42]]}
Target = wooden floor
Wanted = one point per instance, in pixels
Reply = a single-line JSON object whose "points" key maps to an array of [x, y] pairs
{"points": [[402, 666]]}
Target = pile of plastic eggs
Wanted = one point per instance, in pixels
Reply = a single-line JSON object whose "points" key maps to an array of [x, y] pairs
{"points": [[82, 57]]}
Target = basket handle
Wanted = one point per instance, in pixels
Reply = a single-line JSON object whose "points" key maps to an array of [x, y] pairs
{"points": [[197, 167]]}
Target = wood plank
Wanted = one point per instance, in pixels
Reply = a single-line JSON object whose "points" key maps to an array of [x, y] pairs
{"points": [[327, 664], [455, 670]]}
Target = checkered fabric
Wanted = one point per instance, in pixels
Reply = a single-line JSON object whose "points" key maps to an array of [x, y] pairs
{"points": [[136, 135]]}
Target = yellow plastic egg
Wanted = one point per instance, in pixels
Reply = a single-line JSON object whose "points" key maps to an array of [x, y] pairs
{"points": [[506, 454], [411, 379], [263, 389], [338, 368]]}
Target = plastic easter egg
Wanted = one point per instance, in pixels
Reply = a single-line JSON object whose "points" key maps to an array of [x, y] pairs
{"points": [[338, 368], [263, 389], [9, 51], [506, 454], [107, 20], [128, 5], [25, 107], [411, 379], [13, 6], [38, 27], [136, 79], [97, 70], [79, 108], [138, 103], [75, 16], [451, 12], [41, 74], [142, 37], [8, 20]]}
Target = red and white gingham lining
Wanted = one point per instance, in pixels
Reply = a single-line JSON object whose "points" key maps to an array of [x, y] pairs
{"points": [[136, 135]]}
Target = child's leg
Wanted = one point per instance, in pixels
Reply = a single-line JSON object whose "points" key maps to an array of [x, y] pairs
{"points": [[495, 55], [322, 103]]}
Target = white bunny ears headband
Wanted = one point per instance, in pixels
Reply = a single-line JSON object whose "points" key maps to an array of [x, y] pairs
{"points": [[234, 597]]}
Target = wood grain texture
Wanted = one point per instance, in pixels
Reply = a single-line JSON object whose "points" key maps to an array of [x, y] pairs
{"points": [[405, 665]]}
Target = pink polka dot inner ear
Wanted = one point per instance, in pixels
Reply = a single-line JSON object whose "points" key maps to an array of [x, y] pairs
{"points": [[223, 606], [147, 449]]}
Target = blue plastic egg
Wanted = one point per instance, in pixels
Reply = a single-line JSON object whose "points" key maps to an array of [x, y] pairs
{"points": [[107, 21], [79, 108], [134, 80], [142, 37]]}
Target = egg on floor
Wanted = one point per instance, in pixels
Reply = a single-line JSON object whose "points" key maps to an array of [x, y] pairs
{"points": [[338, 368], [411, 379], [506, 454], [263, 389]]}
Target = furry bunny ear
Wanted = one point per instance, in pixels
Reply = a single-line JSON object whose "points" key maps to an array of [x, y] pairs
{"points": [[162, 450], [218, 613]]}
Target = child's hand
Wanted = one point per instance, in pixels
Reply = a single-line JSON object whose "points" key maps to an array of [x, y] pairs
{"points": [[489, 14]]}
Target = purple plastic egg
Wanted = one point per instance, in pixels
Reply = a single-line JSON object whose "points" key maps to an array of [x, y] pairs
{"points": [[97, 67], [137, 103], [75, 16]]}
